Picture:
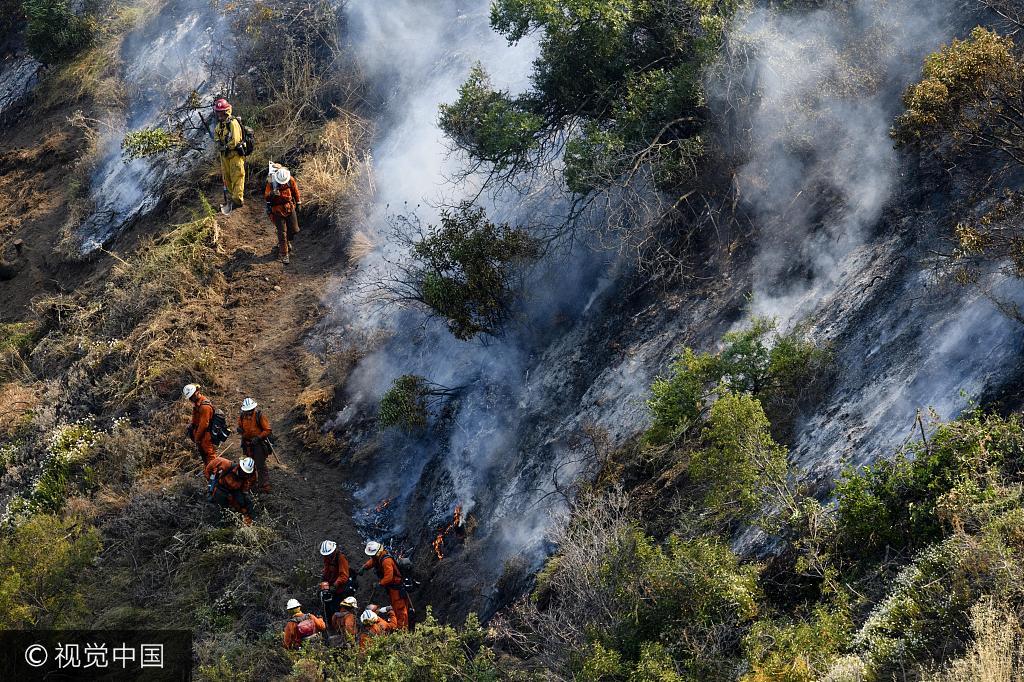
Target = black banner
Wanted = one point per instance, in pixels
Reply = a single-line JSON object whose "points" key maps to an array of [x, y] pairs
{"points": [[113, 655]]}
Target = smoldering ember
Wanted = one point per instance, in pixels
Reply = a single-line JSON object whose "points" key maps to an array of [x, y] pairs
{"points": [[606, 340]]}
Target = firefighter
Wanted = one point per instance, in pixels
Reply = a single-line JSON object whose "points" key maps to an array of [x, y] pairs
{"points": [[300, 626], [386, 568], [345, 620], [228, 135], [255, 431], [373, 625], [230, 484], [335, 577], [199, 430], [283, 199]]}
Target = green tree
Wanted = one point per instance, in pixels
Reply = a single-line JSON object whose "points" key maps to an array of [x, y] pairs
{"points": [[970, 99], [783, 371], [409, 401], [55, 33], [741, 469], [617, 87], [969, 103], [465, 270]]}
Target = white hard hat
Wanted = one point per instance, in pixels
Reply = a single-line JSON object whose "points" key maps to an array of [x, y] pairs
{"points": [[327, 547], [368, 616], [372, 547], [189, 390], [247, 464], [293, 604], [248, 405], [282, 175], [350, 602]]}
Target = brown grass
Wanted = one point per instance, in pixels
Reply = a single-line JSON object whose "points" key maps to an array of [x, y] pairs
{"points": [[359, 247], [997, 654], [330, 173]]}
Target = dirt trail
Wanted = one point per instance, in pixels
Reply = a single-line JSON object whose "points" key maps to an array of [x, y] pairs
{"points": [[270, 307]]}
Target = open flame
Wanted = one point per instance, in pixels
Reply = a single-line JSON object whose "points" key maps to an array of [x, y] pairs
{"points": [[383, 505], [457, 521]]}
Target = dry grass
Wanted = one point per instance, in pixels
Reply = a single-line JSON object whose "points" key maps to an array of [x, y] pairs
{"points": [[359, 247], [147, 330], [331, 172], [997, 654]]}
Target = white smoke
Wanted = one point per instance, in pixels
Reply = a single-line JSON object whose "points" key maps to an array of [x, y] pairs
{"points": [[836, 247], [165, 57]]}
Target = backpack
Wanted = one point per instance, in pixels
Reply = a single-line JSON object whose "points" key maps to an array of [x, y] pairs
{"points": [[306, 626], [248, 145], [408, 571], [219, 431]]}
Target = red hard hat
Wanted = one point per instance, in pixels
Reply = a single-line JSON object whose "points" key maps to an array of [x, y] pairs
{"points": [[221, 105]]}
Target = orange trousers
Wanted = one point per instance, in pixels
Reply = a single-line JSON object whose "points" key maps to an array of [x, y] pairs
{"points": [[400, 607]]}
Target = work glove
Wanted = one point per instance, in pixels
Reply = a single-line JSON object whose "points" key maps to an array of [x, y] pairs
{"points": [[386, 609]]}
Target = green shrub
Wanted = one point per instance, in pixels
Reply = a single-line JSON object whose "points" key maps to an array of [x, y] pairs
{"points": [[896, 503], [432, 652], [741, 469], [55, 33], [800, 649], [41, 562], [64, 471], [140, 144], [693, 593], [464, 271], [925, 619], [408, 404], [784, 372]]}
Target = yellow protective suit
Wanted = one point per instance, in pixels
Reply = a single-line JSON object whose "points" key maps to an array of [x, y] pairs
{"points": [[232, 164]]}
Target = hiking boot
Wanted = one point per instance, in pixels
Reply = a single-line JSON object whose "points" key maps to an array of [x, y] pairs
{"points": [[285, 259]]}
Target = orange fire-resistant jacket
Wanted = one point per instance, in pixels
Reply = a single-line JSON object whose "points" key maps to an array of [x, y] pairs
{"points": [[229, 476], [386, 569], [253, 424], [345, 621], [282, 203], [336, 570]]}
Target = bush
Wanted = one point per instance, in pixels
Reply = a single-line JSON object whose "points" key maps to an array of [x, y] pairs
{"points": [[432, 652], [896, 504], [55, 33], [784, 372], [147, 142], [969, 97], [741, 470], [798, 650], [63, 471], [926, 616], [41, 561], [464, 271], [408, 403], [612, 592]]}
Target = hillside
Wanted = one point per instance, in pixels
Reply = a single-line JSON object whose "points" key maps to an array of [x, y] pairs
{"points": [[667, 340]]}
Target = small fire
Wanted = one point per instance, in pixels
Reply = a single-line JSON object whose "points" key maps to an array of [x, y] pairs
{"points": [[439, 540], [383, 505]]}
